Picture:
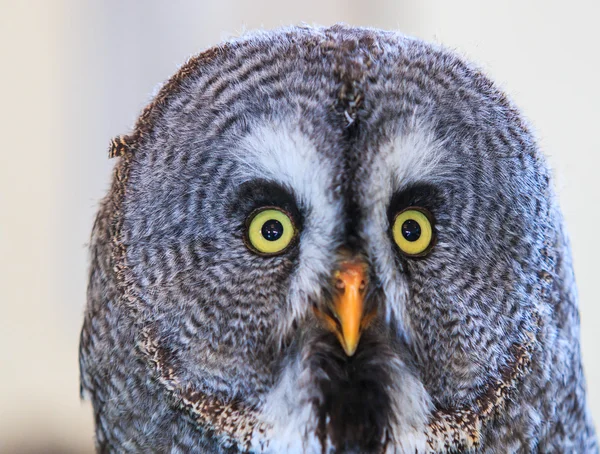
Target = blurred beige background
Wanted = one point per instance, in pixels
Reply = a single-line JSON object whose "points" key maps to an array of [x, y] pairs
{"points": [[76, 73]]}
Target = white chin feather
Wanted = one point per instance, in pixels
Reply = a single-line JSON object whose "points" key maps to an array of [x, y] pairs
{"points": [[289, 412]]}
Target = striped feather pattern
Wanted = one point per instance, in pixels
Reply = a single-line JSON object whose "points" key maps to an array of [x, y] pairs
{"points": [[189, 338]]}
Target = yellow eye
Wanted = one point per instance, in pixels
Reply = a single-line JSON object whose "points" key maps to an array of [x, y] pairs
{"points": [[413, 231], [269, 231]]}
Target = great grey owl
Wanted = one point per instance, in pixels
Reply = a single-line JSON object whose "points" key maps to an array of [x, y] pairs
{"points": [[332, 240]]}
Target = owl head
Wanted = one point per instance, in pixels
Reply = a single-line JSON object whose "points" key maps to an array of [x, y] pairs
{"points": [[331, 240]]}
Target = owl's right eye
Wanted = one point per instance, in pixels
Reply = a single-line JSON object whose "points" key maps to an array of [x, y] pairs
{"points": [[269, 231]]}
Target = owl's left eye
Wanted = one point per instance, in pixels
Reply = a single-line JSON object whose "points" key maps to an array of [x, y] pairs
{"points": [[413, 231], [269, 231]]}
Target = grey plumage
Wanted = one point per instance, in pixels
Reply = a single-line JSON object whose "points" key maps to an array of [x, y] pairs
{"points": [[193, 343]]}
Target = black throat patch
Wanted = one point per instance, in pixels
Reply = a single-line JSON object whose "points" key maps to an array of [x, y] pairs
{"points": [[355, 409]]}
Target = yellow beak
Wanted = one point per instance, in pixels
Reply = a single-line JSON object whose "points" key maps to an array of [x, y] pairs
{"points": [[348, 305]]}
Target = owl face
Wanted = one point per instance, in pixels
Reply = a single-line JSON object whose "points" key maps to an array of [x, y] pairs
{"points": [[344, 232]]}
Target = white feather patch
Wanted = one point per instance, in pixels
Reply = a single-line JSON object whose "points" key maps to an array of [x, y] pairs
{"points": [[282, 154], [289, 412], [412, 157]]}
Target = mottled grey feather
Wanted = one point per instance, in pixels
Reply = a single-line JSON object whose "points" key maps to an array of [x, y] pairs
{"points": [[189, 337]]}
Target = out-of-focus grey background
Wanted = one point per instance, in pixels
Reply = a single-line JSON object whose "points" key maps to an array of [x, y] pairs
{"points": [[76, 73]]}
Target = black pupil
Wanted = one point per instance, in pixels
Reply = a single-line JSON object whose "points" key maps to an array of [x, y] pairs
{"points": [[272, 230], [411, 230]]}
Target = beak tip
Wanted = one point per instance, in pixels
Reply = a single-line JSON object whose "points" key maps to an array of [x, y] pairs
{"points": [[349, 346], [350, 350]]}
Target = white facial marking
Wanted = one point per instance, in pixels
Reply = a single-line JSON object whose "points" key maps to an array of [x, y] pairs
{"points": [[283, 154], [412, 157]]}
